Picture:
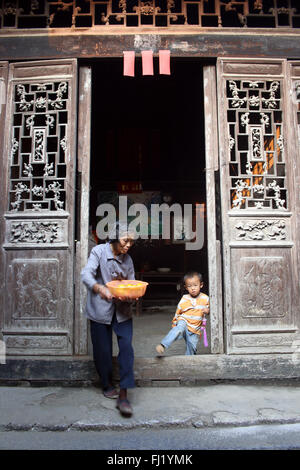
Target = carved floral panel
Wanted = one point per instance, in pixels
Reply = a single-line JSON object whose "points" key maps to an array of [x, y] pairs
{"points": [[35, 232], [263, 290], [38, 147], [266, 229], [35, 291], [256, 144]]}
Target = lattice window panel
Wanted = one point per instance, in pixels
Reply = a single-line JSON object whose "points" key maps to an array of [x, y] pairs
{"points": [[38, 147], [158, 13], [256, 145]]}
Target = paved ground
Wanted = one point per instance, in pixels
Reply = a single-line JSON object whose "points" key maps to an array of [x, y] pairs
{"points": [[210, 405], [261, 437]]}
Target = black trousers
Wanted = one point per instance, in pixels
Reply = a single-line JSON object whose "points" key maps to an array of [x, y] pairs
{"points": [[102, 351]]}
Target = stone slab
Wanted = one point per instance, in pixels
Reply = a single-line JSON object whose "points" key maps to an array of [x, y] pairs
{"points": [[85, 408], [153, 371]]}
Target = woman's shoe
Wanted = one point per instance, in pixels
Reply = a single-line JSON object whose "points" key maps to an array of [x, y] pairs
{"points": [[111, 393], [124, 407]]}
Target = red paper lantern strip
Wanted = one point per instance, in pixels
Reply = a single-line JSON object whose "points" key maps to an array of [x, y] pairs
{"points": [[164, 62], [147, 63], [128, 63]]}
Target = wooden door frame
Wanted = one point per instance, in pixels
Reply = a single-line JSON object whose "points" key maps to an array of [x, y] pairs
{"points": [[212, 166], [213, 244], [83, 202]]}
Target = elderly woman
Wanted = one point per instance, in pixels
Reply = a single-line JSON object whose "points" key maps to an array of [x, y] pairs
{"points": [[107, 262]]}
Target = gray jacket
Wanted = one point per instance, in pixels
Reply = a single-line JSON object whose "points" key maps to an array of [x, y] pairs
{"points": [[101, 268]]}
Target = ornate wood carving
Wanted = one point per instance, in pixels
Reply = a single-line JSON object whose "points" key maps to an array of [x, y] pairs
{"points": [[260, 230], [256, 144], [34, 232], [39, 147], [35, 293], [262, 291], [77, 14]]}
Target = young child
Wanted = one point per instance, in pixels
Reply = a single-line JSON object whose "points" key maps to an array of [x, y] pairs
{"points": [[189, 315]]}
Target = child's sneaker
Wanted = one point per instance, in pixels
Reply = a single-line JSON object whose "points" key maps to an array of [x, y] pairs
{"points": [[160, 349]]}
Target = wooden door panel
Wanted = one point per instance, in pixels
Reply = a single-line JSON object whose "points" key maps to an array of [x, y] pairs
{"points": [[3, 98], [38, 207], [261, 302], [258, 206]]}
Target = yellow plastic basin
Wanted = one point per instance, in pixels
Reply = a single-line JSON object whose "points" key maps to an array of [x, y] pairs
{"points": [[127, 288]]}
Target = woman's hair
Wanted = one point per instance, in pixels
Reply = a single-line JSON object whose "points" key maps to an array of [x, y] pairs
{"points": [[190, 274], [118, 230]]}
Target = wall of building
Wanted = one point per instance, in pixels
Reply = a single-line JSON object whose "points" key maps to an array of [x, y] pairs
{"points": [[23, 46]]}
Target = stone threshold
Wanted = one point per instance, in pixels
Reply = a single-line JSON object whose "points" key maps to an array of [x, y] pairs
{"points": [[156, 371]]}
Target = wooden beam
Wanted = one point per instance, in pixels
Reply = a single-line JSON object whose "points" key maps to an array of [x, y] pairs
{"points": [[206, 45]]}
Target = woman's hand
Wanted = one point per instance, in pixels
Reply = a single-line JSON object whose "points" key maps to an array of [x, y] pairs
{"points": [[126, 299], [103, 291], [205, 311]]}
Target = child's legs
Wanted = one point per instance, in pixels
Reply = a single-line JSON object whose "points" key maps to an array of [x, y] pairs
{"points": [[173, 334], [191, 340]]}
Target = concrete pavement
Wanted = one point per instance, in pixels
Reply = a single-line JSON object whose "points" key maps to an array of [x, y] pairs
{"points": [[57, 408]]}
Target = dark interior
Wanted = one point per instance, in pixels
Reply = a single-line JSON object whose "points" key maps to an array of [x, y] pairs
{"points": [[150, 130]]}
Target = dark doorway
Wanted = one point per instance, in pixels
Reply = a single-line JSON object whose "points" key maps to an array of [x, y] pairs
{"points": [[148, 136]]}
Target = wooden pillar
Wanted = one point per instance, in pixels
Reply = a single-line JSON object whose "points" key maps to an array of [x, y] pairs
{"points": [[213, 245]]}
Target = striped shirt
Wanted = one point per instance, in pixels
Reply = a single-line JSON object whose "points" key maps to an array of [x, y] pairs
{"points": [[190, 309]]}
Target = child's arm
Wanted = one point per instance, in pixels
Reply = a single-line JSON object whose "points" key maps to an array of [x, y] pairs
{"points": [[177, 314], [205, 310]]}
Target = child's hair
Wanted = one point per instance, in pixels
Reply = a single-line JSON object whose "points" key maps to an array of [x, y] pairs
{"points": [[190, 274]]}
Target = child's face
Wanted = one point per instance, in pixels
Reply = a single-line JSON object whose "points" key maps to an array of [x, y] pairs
{"points": [[193, 286]]}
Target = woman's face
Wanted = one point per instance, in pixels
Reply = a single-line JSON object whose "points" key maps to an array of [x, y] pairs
{"points": [[125, 243]]}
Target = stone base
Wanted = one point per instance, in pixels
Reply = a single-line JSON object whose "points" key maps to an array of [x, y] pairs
{"points": [[157, 371]]}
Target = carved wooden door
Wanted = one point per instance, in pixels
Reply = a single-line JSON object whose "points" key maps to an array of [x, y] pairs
{"points": [[257, 161], [37, 208], [3, 90]]}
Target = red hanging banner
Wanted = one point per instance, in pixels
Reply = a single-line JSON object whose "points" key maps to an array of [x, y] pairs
{"points": [[164, 62], [128, 63], [147, 62]]}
